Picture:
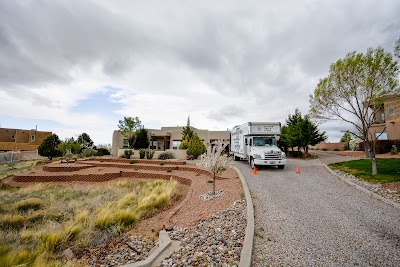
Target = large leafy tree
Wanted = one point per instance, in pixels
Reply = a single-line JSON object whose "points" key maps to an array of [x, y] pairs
{"points": [[142, 139], [346, 137], [128, 127], [397, 49], [300, 132], [48, 148], [354, 91], [85, 141]]}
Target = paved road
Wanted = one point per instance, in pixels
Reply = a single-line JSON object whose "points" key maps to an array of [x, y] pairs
{"points": [[315, 219]]}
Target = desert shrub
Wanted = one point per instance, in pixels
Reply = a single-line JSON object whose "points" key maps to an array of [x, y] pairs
{"points": [[132, 162], [394, 150], [324, 149], [128, 153], [196, 147], [102, 152], [142, 153], [162, 163], [166, 155], [51, 241], [169, 170], [9, 221], [89, 152], [336, 149], [184, 144], [149, 153], [29, 204]]}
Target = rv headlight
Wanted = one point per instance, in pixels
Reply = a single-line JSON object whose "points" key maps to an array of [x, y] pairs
{"points": [[257, 156], [283, 155]]}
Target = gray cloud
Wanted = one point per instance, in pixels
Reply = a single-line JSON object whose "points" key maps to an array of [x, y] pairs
{"points": [[270, 54]]}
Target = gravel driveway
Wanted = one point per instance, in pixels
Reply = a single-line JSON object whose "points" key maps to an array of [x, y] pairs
{"points": [[315, 219]]}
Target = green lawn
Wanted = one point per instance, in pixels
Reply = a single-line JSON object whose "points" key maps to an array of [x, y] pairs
{"points": [[388, 170]]}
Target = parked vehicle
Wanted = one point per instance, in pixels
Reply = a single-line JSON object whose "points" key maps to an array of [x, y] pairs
{"points": [[256, 142]]}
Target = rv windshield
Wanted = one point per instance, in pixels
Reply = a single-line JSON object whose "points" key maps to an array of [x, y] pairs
{"points": [[264, 141]]}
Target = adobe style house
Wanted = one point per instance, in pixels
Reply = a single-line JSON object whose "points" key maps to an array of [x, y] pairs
{"points": [[21, 140], [388, 116], [168, 138]]}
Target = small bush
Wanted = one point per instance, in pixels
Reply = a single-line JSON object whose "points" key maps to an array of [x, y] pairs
{"points": [[142, 153], [128, 153], [394, 150], [210, 181], [324, 149], [166, 155], [12, 221], [149, 153], [28, 204], [89, 152], [103, 152], [336, 149], [169, 170], [132, 162], [162, 163], [196, 147]]}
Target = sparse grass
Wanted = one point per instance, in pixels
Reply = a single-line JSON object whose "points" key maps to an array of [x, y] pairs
{"points": [[210, 181], [11, 168], [388, 169], [39, 222]]}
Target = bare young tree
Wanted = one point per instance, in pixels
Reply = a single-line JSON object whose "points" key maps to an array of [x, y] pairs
{"points": [[215, 161], [355, 90]]}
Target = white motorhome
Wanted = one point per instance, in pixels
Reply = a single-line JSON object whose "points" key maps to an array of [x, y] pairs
{"points": [[256, 142]]}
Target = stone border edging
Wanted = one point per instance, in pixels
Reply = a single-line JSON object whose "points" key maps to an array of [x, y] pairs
{"points": [[247, 249], [363, 189], [164, 243]]}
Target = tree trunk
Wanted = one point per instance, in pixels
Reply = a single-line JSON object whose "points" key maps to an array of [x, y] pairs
{"points": [[214, 185], [374, 169]]}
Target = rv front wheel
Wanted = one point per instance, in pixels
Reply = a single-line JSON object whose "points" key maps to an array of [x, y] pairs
{"points": [[252, 163]]}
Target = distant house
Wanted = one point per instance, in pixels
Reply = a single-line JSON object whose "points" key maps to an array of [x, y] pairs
{"points": [[21, 140], [389, 116], [168, 138]]}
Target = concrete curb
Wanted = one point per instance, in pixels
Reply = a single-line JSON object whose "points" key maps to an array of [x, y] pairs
{"points": [[163, 243], [247, 250], [363, 189]]}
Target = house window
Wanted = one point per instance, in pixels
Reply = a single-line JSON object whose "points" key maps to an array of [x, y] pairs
{"points": [[125, 143], [381, 136], [391, 111], [382, 117], [12, 136], [176, 144], [32, 138]]}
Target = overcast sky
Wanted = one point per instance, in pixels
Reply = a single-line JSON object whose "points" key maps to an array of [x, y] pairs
{"points": [[80, 66]]}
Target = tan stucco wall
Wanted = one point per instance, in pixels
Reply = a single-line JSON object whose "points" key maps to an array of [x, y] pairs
{"points": [[174, 134], [23, 139], [392, 122], [330, 146]]}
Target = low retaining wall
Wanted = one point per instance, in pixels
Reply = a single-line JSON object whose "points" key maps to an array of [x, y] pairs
{"points": [[66, 168], [103, 177]]}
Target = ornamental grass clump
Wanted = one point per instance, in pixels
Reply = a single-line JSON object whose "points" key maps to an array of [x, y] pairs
{"points": [[28, 204], [215, 161]]}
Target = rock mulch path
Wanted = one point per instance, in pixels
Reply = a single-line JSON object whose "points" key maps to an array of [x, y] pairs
{"points": [[216, 241], [127, 249]]}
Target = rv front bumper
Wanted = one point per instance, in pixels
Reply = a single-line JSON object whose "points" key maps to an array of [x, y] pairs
{"points": [[266, 162]]}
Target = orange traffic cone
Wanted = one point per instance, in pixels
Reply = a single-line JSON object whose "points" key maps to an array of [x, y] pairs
{"points": [[255, 170], [297, 169]]}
